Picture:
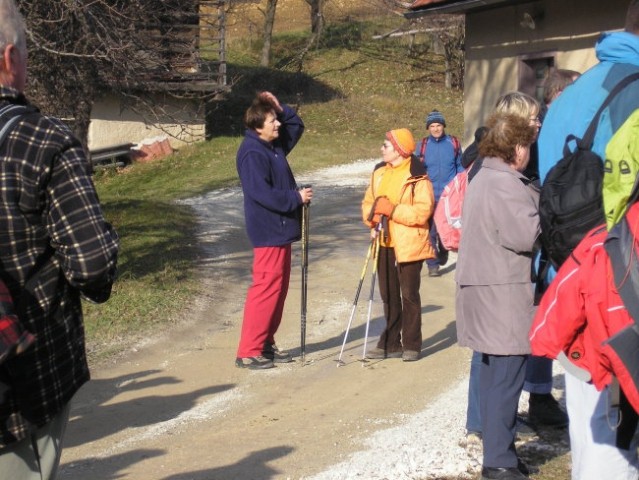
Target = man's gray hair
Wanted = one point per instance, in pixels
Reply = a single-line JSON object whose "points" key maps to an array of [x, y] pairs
{"points": [[11, 26]]}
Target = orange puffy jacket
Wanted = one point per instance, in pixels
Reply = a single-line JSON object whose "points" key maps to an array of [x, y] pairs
{"points": [[408, 224]]}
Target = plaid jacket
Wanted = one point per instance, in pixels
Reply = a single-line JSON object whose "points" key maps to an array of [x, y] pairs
{"points": [[54, 246]]}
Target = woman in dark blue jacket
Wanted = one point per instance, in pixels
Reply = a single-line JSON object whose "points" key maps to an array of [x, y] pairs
{"points": [[272, 205]]}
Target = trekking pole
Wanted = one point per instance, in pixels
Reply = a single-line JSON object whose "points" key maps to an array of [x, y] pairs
{"points": [[372, 294], [359, 289], [305, 227]]}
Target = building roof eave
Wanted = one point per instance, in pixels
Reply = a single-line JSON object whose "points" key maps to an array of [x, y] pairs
{"points": [[420, 9]]}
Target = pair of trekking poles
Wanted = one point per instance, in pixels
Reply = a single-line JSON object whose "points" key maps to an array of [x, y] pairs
{"points": [[373, 252]]}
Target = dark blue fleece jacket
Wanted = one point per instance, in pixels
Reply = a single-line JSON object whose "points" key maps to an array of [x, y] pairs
{"points": [[271, 201]]}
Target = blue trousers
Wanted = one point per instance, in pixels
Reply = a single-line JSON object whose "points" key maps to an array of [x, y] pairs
{"points": [[538, 380], [538, 375], [501, 380]]}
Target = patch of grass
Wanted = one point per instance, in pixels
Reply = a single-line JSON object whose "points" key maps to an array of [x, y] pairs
{"points": [[550, 452]]}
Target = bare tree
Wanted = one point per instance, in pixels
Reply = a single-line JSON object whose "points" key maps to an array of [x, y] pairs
{"points": [[269, 21], [317, 19], [448, 34], [80, 50], [451, 34]]}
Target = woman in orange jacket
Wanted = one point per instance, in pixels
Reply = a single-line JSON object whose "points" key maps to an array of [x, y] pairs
{"points": [[400, 191]]}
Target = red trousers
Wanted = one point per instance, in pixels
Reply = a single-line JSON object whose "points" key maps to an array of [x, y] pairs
{"points": [[265, 299]]}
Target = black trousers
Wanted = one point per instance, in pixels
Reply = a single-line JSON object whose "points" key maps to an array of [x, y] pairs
{"points": [[399, 289], [501, 380]]}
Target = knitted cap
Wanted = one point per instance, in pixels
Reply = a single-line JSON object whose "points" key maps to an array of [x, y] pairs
{"points": [[435, 117], [402, 141]]}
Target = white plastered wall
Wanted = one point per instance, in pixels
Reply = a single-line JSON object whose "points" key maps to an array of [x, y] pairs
{"points": [[112, 123]]}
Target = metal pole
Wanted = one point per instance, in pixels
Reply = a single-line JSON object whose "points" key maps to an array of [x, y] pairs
{"points": [[359, 289], [372, 294], [305, 228]]}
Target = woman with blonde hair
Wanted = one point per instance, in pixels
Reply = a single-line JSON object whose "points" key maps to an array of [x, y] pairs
{"points": [[525, 106]]}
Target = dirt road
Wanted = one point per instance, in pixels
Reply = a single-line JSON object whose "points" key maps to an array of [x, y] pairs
{"points": [[176, 407]]}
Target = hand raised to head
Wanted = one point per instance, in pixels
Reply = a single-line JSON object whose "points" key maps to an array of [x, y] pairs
{"points": [[272, 99]]}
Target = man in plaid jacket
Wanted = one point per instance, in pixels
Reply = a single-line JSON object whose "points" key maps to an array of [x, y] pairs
{"points": [[55, 246]]}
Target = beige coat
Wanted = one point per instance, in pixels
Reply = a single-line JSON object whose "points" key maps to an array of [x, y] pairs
{"points": [[494, 291]]}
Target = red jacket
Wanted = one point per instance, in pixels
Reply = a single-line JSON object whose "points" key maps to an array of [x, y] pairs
{"points": [[582, 309]]}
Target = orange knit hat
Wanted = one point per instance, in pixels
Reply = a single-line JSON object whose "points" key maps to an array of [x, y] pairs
{"points": [[402, 141]]}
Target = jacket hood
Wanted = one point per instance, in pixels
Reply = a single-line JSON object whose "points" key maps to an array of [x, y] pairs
{"points": [[618, 47]]}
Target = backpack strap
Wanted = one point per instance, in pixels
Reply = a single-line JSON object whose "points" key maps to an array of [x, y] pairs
{"points": [[422, 151], [619, 245], [589, 136], [540, 273], [456, 145], [12, 113]]}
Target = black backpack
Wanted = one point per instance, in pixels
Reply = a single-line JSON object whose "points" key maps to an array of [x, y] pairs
{"points": [[571, 201]]}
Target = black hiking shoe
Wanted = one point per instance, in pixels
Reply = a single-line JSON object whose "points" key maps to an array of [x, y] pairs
{"points": [[496, 473], [543, 409], [275, 354], [526, 469], [254, 363]]}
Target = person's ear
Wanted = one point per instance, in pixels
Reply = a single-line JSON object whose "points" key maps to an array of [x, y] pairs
{"points": [[10, 61], [6, 63], [5, 60], [9, 57]]}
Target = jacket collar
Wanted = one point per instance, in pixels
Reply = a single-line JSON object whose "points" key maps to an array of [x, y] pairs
{"points": [[252, 134], [417, 168], [12, 95], [495, 163]]}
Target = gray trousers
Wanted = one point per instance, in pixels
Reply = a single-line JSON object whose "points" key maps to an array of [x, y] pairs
{"points": [[19, 462]]}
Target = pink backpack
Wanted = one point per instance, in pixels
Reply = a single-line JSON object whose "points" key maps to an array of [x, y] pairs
{"points": [[448, 213]]}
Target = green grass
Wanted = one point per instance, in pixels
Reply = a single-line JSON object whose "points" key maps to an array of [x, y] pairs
{"points": [[350, 90]]}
